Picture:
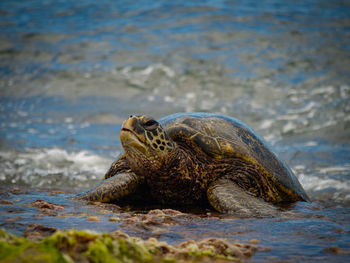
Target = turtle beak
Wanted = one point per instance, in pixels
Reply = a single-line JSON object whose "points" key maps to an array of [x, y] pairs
{"points": [[132, 134]]}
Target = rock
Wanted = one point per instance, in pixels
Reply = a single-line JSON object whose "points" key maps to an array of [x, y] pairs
{"points": [[93, 218], [114, 219], [6, 202], [45, 205], [85, 246], [12, 219], [37, 231]]}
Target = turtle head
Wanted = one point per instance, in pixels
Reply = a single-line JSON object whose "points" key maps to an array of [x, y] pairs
{"points": [[146, 144]]}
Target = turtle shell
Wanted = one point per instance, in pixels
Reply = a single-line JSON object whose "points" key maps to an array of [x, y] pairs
{"points": [[222, 136]]}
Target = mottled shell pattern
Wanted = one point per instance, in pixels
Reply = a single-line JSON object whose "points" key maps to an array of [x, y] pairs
{"points": [[225, 137]]}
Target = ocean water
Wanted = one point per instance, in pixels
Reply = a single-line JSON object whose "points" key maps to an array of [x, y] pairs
{"points": [[72, 71]]}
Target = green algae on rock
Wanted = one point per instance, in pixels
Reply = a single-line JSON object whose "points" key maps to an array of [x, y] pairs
{"points": [[85, 246]]}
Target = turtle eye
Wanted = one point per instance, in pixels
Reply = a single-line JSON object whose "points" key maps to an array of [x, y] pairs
{"points": [[150, 125]]}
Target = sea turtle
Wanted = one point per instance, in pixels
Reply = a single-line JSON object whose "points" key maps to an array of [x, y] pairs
{"points": [[196, 158]]}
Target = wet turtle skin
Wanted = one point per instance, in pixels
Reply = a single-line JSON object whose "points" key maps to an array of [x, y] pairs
{"points": [[191, 158]]}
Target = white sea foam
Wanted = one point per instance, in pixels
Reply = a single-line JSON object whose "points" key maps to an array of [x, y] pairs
{"points": [[310, 143], [290, 126], [79, 161], [334, 169], [52, 168], [306, 108], [265, 124], [317, 183], [323, 90], [149, 70], [325, 187]]}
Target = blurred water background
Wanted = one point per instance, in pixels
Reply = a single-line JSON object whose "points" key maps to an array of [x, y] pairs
{"points": [[72, 71]]}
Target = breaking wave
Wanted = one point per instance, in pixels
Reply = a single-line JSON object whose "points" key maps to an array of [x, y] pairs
{"points": [[52, 168], [327, 184]]}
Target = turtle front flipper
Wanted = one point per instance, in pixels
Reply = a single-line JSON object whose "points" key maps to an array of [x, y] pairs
{"points": [[113, 188], [227, 197]]}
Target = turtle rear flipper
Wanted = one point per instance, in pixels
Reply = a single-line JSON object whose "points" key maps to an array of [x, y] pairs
{"points": [[227, 197], [113, 188]]}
